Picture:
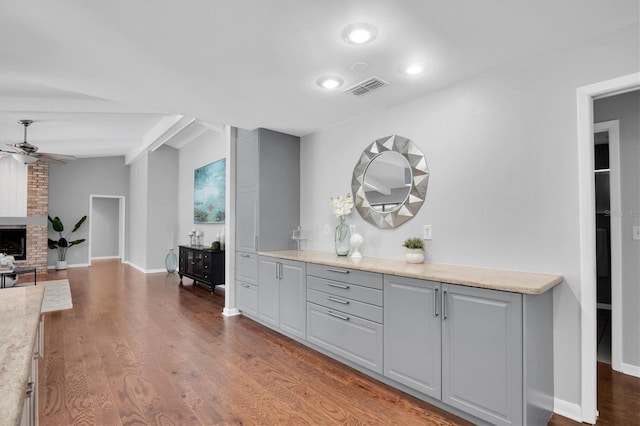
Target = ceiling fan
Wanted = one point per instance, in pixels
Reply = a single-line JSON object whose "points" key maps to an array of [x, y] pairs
{"points": [[27, 153]]}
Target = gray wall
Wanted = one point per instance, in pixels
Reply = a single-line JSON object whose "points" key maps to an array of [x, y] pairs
{"points": [[626, 108], [503, 190], [162, 204], [202, 151], [104, 227], [138, 176], [71, 184]]}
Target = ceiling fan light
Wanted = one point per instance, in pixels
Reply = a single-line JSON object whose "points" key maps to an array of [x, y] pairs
{"points": [[24, 158]]}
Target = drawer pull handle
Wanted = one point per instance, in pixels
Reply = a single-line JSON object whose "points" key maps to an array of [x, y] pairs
{"points": [[340, 271], [244, 255], [344, 302], [338, 316], [244, 285], [344, 287]]}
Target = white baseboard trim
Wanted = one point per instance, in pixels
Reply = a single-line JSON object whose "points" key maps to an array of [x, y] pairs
{"points": [[567, 409], [631, 370], [144, 271], [105, 257], [230, 312], [75, 265]]}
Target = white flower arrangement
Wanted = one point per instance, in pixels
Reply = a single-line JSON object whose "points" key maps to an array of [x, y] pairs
{"points": [[341, 206]]}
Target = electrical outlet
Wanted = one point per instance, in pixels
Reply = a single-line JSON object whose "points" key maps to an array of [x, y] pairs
{"points": [[426, 232], [352, 229], [326, 229], [636, 232]]}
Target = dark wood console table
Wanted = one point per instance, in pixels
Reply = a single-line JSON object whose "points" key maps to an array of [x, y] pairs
{"points": [[201, 264]]}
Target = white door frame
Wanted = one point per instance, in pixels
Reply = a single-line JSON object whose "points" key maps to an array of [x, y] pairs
{"points": [[121, 224], [586, 187], [613, 129]]}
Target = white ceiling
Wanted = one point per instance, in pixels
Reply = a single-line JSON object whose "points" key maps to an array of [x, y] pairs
{"points": [[105, 77]]}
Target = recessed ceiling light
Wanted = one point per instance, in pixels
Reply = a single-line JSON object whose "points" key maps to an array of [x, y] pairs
{"points": [[412, 69], [360, 33], [329, 82]]}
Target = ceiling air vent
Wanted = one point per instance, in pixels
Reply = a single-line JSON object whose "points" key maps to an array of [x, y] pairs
{"points": [[366, 86]]}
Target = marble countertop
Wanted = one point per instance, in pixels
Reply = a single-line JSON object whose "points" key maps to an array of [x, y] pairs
{"points": [[495, 279], [19, 318]]}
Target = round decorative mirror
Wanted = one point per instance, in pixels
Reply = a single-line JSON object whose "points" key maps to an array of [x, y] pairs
{"points": [[390, 181]]}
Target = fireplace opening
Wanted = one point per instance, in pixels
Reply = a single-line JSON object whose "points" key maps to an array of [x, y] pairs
{"points": [[13, 242]]}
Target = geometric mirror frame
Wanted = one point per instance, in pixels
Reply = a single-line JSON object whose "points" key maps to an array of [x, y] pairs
{"points": [[418, 180]]}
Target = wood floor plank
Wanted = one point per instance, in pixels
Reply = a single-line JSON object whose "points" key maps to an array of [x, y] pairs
{"points": [[144, 350]]}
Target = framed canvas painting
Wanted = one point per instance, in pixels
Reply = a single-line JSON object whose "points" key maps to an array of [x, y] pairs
{"points": [[209, 193]]}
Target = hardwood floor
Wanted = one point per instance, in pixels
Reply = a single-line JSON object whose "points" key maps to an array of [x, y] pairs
{"points": [[140, 349]]}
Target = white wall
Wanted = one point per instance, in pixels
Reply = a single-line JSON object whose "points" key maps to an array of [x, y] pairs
{"points": [[105, 217], [70, 186], [204, 150], [626, 108], [503, 190]]}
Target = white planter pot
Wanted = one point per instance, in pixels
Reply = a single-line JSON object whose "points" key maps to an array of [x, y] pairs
{"points": [[414, 256], [61, 265]]}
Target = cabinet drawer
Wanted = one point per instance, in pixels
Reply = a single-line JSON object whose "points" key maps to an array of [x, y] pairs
{"points": [[350, 337], [346, 275], [247, 298], [247, 267], [348, 306], [351, 291]]}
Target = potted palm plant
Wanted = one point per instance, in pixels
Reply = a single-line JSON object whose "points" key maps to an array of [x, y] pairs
{"points": [[415, 250], [63, 243]]}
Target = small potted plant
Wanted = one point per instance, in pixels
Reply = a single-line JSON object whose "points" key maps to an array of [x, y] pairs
{"points": [[415, 250], [63, 243]]}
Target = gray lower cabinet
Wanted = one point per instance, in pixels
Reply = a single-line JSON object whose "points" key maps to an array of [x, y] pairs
{"points": [[464, 346], [412, 330], [247, 283], [345, 314], [349, 336], [482, 353], [282, 295]]}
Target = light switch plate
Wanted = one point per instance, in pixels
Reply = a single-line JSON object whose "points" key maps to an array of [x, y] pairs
{"points": [[352, 229], [636, 232], [426, 232], [326, 229]]}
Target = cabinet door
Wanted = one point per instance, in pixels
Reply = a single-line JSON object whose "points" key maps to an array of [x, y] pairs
{"points": [[482, 353], [412, 333], [246, 205], [247, 298], [293, 298], [247, 155], [268, 291], [198, 263], [190, 261]]}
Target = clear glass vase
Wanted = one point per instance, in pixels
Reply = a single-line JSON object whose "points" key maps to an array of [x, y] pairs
{"points": [[171, 261], [343, 234]]}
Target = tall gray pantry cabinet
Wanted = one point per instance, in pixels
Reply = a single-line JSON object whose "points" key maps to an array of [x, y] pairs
{"points": [[267, 204]]}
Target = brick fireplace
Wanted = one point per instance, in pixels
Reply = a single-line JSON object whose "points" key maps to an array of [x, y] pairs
{"points": [[37, 206]]}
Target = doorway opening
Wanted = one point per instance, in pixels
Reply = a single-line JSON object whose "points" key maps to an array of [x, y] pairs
{"points": [[588, 254], [106, 227], [606, 150]]}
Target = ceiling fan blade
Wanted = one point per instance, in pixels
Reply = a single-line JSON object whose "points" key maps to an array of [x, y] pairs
{"points": [[59, 157], [48, 159]]}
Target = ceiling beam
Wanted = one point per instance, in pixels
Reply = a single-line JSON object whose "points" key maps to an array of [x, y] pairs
{"points": [[167, 128]]}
